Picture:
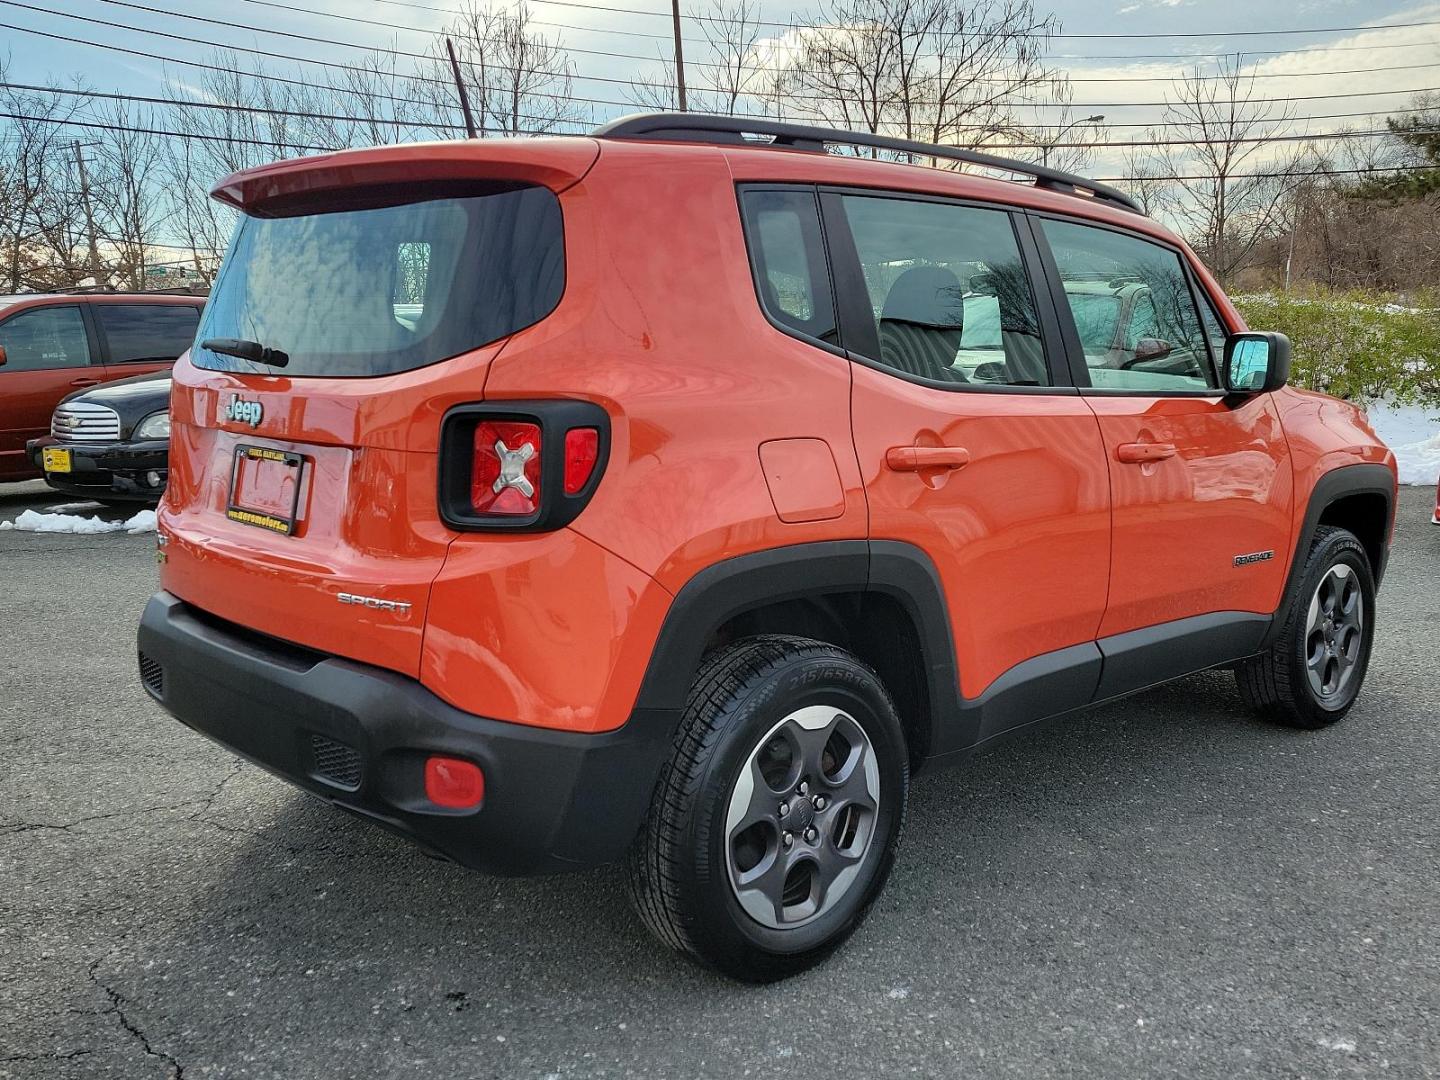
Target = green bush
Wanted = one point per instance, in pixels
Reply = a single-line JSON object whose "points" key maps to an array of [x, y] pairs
{"points": [[1362, 346]]}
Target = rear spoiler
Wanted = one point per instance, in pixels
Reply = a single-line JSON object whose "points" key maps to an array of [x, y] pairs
{"points": [[553, 163]]}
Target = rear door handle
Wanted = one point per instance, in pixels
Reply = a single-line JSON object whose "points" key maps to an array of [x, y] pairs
{"points": [[84, 382], [1137, 453], [915, 458]]}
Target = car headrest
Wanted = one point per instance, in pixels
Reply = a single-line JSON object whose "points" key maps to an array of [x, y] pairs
{"points": [[926, 296]]}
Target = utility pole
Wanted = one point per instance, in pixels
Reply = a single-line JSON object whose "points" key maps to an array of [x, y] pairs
{"points": [[679, 56], [460, 89], [89, 214]]}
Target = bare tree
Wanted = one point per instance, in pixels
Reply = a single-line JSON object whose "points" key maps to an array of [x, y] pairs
{"points": [[1147, 174], [733, 77], [128, 160], [1062, 142], [931, 70], [1230, 191], [521, 80], [38, 190]]}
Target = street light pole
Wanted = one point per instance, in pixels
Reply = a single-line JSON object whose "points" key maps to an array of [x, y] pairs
{"points": [[1046, 146]]}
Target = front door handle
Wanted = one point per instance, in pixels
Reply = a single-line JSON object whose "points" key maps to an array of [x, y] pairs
{"points": [[915, 458], [1137, 453]]}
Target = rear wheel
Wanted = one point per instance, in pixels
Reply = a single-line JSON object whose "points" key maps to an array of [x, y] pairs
{"points": [[1312, 674], [775, 824]]}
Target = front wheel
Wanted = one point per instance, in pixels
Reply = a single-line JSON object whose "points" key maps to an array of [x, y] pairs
{"points": [[775, 824], [1312, 674]]}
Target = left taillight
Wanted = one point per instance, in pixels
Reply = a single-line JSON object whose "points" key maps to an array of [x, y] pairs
{"points": [[526, 466]]}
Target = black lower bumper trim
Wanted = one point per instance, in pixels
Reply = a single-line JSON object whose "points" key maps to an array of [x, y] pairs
{"points": [[358, 736], [108, 470]]}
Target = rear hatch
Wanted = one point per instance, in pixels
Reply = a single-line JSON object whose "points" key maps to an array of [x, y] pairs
{"points": [[302, 501]]}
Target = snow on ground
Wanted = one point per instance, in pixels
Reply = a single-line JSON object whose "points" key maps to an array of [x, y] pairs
{"points": [[1413, 433], [31, 521]]}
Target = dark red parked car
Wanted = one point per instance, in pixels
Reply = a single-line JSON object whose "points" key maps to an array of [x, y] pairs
{"points": [[54, 344]]}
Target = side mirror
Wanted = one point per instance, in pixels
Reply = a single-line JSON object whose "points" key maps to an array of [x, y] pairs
{"points": [[3, 357], [1256, 363], [1149, 348]]}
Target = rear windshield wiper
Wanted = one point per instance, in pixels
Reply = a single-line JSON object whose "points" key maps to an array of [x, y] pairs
{"points": [[247, 350]]}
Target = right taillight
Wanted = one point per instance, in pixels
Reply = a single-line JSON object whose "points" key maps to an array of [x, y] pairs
{"points": [[526, 466], [582, 449]]}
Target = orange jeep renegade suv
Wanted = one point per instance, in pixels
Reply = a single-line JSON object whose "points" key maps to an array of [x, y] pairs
{"points": [[674, 494]]}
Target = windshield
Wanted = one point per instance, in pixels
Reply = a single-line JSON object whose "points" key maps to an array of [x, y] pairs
{"points": [[388, 288]]}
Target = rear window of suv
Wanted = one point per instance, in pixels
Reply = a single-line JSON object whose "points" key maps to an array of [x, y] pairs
{"points": [[375, 289]]}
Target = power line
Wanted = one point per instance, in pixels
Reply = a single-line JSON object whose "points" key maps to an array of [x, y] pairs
{"points": [[705, 41], [1094, 144], [127, 129], [631, 104], [1286, 174], [1160, 124], [250, 109], [1089, 36], [629, 56], [309, 85]]}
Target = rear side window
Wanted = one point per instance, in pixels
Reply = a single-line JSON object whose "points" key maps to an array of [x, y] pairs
{"points": [[141, 332], [948, 292], [386, 288], [47, 337], [1150, 338], [787, 250]]}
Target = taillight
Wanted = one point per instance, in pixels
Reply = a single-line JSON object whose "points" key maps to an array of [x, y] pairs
{"points": [[526, 466], [505, 473], [582, 448]]}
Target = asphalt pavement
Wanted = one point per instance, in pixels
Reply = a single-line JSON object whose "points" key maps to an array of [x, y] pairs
{"points": [[1161, 888]]}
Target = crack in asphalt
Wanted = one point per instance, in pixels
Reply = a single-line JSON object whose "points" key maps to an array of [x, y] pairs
{"points": [[176, 1071], [204, 803]]}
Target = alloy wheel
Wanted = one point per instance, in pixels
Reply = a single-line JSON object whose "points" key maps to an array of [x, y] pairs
{"points": [[1334, 632], [801, 817]]}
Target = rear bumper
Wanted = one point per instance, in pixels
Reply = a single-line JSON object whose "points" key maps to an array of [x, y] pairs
{"points": [[109, 470], [554, 800]]}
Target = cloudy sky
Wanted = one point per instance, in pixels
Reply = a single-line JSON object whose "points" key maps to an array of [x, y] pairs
{"points": [[1365, 66]]}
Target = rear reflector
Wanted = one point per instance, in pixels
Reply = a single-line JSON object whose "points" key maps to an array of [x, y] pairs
{"points": [[505, 475], [453, 783], [582, 450]]}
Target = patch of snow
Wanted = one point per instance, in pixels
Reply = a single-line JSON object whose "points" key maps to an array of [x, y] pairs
{"points": [[1341, 1046], [899, 993], [1413, 433], [31, 521]]}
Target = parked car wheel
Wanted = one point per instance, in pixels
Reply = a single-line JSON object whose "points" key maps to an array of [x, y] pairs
{"points": [[1311, 675], [775, 824]]}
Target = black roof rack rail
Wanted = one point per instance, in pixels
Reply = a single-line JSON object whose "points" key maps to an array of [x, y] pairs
{"points": [[703, 127]]}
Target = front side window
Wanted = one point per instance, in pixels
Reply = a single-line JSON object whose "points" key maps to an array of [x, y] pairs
{"points": [[1133, 310], [382, 285], [48, 337], [787, 251], [948, 292], [138, 333]]}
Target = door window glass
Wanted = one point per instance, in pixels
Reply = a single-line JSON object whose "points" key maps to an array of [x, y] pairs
{"points": [[948, 292], [138, 333], [1214, 328], [788, 252], [1155, 341], [48, 337]]}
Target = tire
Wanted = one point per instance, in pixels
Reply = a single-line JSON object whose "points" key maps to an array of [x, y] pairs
{"points": [[1281, 683], [712, 857]]}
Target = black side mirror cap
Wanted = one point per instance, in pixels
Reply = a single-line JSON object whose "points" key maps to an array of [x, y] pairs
{"points": [[1256, 363]]}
